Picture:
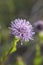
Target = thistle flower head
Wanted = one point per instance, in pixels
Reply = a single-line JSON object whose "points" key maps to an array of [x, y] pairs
{"points": [[38, 25], [22, 29]]}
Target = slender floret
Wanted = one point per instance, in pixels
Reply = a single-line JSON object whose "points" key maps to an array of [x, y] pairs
{"points": [[22, 29]]}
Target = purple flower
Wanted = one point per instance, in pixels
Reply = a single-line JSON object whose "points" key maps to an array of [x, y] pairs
{"points": [[22, 29], [38, 25]]}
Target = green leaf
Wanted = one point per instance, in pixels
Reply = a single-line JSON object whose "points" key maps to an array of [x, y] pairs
{"points": [[38, 58], [13, 49], [37, 61]]}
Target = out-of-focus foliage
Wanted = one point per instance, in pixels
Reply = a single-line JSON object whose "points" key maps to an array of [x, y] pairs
{"points": [[9, 10], [38, 59]]}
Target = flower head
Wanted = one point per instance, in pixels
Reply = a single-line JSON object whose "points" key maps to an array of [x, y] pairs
{"points": [[38, 25], [22, 29]]}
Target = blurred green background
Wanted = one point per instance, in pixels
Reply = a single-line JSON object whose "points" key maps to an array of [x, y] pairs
{"points": [[11, 9]]}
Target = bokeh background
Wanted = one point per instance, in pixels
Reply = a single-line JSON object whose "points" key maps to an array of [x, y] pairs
{"points": [[31, 10]]}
